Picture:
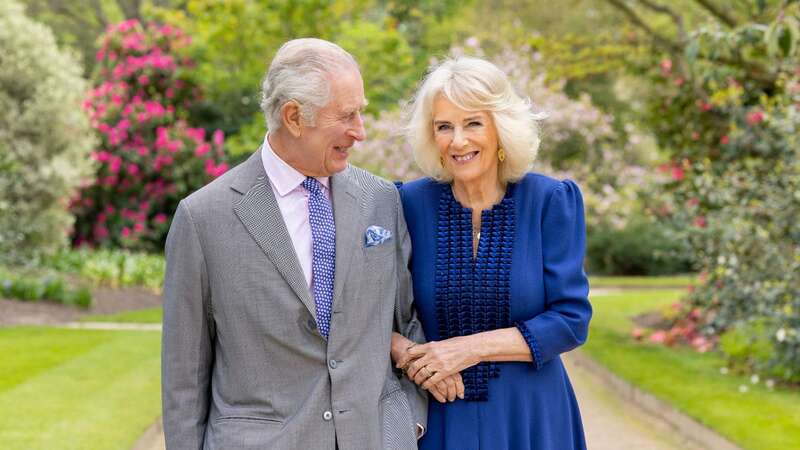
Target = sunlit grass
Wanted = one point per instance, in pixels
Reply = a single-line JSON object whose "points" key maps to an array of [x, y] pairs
{"points": [[756, 419], [147, 315], [77, 389], [673, 281]]}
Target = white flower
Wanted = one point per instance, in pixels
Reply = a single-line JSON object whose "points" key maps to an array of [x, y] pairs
{"points": [[770, 383], [743, 389], [723, 370], [754, 379], [781, 335]]}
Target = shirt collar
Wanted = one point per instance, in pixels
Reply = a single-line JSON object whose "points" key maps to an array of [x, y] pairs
{"points": [[282, 176]]}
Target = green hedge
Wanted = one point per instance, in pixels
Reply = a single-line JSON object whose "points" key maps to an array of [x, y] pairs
{"points": [[642, 247]]}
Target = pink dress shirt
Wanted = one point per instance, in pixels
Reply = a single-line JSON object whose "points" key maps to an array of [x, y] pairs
{"points": [[292, 200]]}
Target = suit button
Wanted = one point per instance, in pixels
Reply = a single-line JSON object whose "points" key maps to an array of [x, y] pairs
{"points": [[332, 363], [327, 415], [311, 324]]}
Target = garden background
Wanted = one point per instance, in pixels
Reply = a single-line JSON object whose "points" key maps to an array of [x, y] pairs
{"points": [[679, 120]]}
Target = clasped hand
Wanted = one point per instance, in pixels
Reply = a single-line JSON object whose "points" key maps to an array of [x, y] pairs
{"points": [[435, 366]]}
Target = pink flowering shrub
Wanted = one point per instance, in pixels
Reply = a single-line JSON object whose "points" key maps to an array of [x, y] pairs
{"points": [[732, 188], [149, 156]]}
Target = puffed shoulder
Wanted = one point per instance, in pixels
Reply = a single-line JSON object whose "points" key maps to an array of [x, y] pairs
{"points": [[564, 204]]}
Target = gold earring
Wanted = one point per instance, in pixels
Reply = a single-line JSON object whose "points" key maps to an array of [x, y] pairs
{"points": [[501, 154], [441, 161]]}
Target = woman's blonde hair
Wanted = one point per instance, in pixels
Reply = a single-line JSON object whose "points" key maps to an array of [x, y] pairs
{"points": [[474, 84]]}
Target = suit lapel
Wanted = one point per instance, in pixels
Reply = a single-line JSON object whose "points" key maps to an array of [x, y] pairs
{"points": [[347, 216], [258, 210]]}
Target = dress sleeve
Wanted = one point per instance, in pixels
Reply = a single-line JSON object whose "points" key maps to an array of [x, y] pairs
{"points": [[564, 324]]}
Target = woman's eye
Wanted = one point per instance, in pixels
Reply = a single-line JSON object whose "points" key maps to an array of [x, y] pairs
{"points": [[442, 127], [474, 123]]}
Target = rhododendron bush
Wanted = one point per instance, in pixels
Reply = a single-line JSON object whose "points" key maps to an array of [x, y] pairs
{"points": [[149, 157]]}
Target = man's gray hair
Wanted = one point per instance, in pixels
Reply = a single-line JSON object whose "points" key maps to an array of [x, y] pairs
{"points": [[299, 71]]}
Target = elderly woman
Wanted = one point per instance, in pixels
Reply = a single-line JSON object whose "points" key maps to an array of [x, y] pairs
{"points": [[497, 267]]}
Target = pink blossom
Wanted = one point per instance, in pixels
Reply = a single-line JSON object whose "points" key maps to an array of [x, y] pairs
{"points": [[102, 156], [133, 169], [170, 93], [724, 140], [666, 65], [142, 150], [138, 227], [705, 107], [174, 146], [202, 149], [659, 337], [114, 164], [160, 218], [755, 117], [701, 344], [677, 173], [695, 135], [218, 138], [143, 80], [692, 202], [112, 56], [100, 231], [125, 232], [679, 81], [700, 222]]}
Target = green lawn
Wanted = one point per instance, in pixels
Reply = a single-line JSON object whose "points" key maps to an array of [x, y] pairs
{"points": [[757, 419], [148, 315], [77, 389], [678, 281]]}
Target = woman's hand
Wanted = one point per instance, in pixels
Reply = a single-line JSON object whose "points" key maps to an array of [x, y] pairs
{"points": [[445, 390], [435, 362], [448, 389]]}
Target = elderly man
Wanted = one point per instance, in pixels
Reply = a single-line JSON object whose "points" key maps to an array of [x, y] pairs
{"points": [[285, 278]]}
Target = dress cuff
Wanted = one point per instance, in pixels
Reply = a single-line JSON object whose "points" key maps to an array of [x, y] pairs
{"points": [[532, 344], [420, 431]]}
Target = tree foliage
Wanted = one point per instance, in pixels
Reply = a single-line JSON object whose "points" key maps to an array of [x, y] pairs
{"points": [[45, 137], [724, 103]]}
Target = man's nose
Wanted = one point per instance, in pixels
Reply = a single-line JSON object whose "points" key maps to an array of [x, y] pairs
{"points": [[358, 132]]}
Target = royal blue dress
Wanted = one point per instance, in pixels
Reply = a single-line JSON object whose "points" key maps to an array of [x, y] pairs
{"points": [[528, 273]]}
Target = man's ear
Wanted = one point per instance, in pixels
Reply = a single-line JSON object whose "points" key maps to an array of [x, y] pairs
{"points": [[290, 116]]}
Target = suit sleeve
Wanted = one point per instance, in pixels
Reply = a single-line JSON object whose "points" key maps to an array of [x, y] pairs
{"points": [[187, 342], [564, 324], [406, 321]]}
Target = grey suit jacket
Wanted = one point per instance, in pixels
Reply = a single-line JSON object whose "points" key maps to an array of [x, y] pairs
{"points": [[243, 365]]}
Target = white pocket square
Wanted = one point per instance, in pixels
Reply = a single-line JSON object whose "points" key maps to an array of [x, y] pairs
{"points": [[376, 235]]}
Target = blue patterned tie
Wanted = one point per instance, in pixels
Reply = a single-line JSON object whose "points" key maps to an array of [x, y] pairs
{"points": [[323, 262]]}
